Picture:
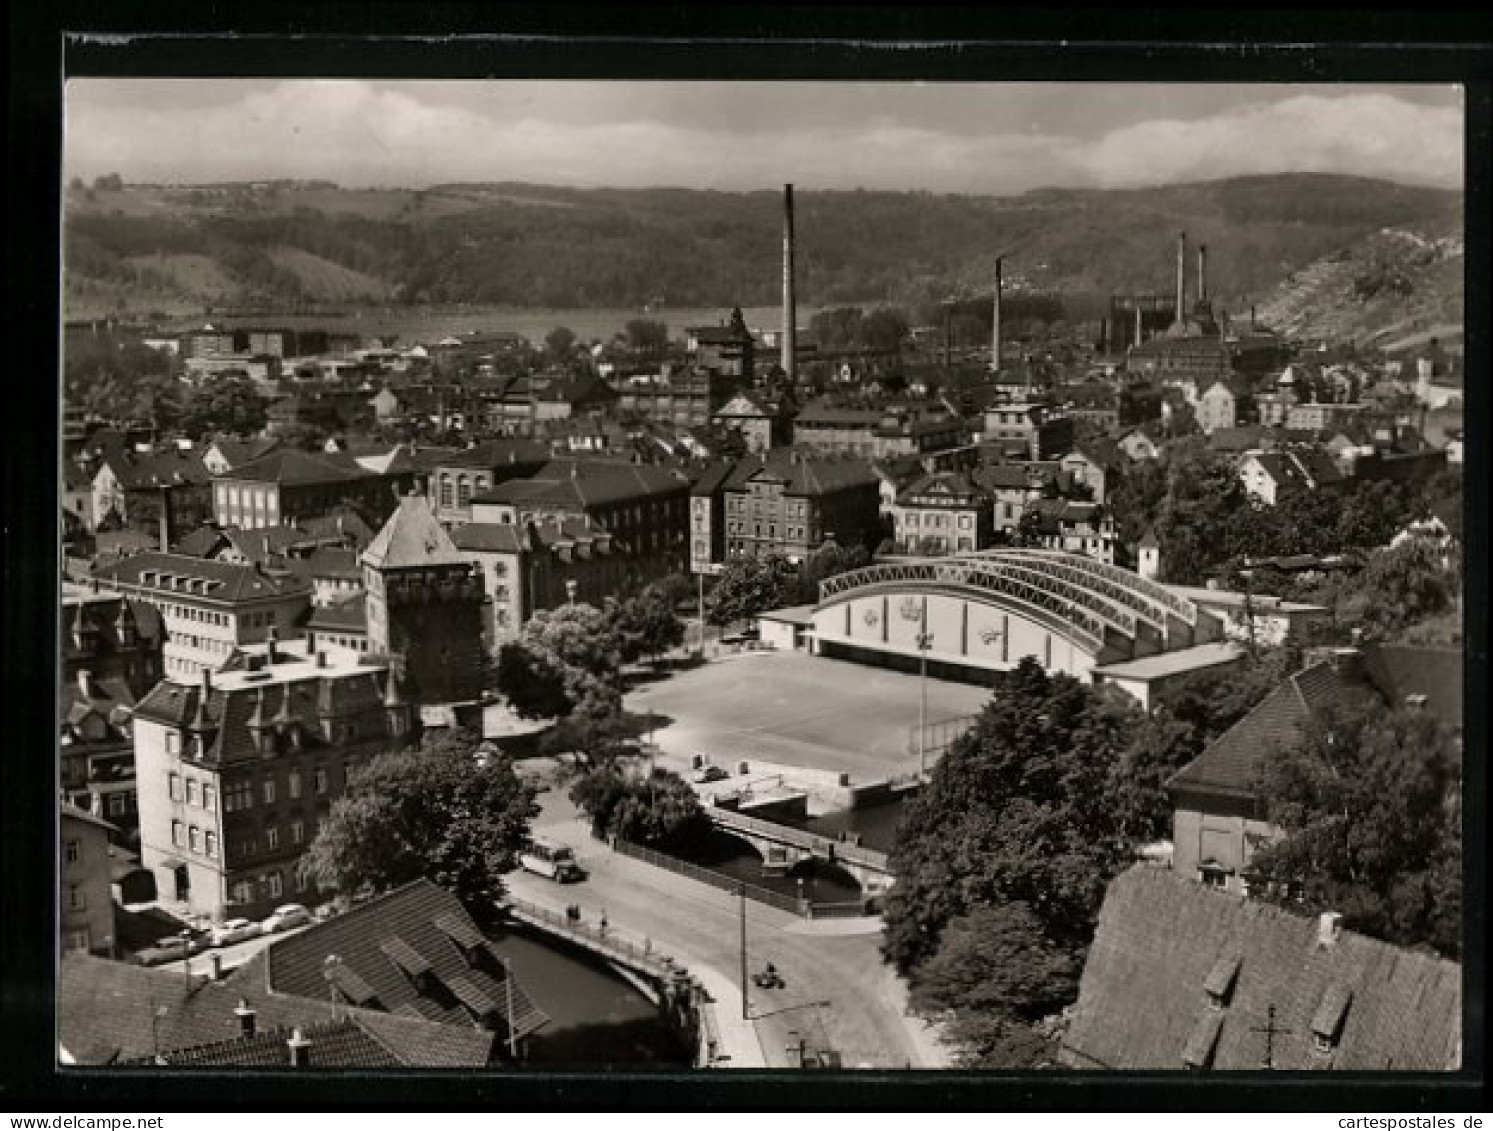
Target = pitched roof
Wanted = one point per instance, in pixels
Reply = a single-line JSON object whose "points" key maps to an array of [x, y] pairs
{"points": [[1144, 1004], [108, 1013], [587, 483], [236, 453], [1232, 762], [412, 537], [142, 471], [293, 466], [803, 474], [348, 614], [201, 577], [389, 943]]}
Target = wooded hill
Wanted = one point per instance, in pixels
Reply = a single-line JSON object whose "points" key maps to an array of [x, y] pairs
{"points": [[301, 244]]}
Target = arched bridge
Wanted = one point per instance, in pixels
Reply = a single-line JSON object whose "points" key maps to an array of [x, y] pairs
{"points": [[987, 610], [789, 845]]}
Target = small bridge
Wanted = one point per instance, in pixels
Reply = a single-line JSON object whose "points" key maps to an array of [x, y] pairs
{"points": [[786, 844]]}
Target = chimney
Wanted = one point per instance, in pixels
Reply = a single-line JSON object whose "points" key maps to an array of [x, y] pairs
{"points": [[1137, 321], [165, 519], [1202, 273], [300, 1049], [321, 658], [217, 964], [790, 307], [1181, 277], [207, 682], [995, 335], [1329, 928], [245, 1017], [85, 682], [270, 637]]}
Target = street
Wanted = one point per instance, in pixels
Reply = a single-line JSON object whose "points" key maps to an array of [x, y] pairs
{"points": [[836, 993]]}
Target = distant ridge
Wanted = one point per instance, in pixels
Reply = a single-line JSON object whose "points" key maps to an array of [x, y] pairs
{"points": [[284, 243]]}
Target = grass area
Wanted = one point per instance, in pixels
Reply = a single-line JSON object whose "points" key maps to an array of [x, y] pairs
{"points": [[798, 710]]}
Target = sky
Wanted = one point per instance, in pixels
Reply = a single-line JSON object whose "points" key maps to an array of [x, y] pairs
{"points": [[992, 138]]}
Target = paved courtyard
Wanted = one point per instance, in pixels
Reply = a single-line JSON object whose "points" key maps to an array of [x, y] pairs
{"points": [[800, 710]]}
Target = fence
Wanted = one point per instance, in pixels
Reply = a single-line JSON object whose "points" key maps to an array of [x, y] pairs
{"points": [[714, 879], [939, 735]]}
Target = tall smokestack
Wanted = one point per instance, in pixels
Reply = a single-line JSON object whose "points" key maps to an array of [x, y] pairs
{"points": [[1181, 277], [790, 307], [166, 524], [1137, 321], [1202, 273], [995, 334]]}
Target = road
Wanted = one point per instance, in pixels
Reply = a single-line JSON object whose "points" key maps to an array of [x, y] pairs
{"points": [[837, 992]]}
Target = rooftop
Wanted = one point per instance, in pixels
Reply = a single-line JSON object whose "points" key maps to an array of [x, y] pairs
{"points": [[1166, 664], [412, 537]]}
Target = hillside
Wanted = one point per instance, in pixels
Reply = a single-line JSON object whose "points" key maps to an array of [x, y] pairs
{"points": [[293, 245], [1394, 289]]}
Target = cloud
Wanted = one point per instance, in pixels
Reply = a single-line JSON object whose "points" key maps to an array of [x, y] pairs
{"points": [[361, 133]]}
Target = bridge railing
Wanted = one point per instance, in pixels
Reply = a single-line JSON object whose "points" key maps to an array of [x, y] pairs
{"points": [[594, 938], [754, 892], [802, 838]]}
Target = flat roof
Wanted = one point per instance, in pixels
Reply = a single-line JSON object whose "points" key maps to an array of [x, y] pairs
{"points": [[1166, 664], [293, 661], [793, 614], [1230, 599]]}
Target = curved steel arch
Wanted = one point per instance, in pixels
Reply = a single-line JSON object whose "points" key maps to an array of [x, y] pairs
{"points": [[1142, 586], [1140, 605]]}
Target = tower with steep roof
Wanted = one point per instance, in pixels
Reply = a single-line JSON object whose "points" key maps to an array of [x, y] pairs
{"points": [[424, 610]]}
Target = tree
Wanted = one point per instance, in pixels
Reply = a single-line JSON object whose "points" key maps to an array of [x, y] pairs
{"points": [[658, 808], [560, 343], [533, 685], [645, 624], [750, 586], [885, 328], [647, 337], [566, 661], [1400, 587], [1050, 748], [1369, 805], [109, 182], [449, 811], [228, 404]]}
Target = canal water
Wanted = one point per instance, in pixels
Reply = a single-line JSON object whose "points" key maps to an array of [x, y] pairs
{"points": [[598, 1019], [876, 825]]}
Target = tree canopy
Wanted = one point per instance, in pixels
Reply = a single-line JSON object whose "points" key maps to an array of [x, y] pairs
{"points": [[227, 404], [565, 661], [449, 810], [654, 808], [1369, 805]]}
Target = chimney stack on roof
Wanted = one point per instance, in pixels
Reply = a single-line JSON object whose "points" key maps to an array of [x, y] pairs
{"points": [[245, 1017], [270, 639], [300, 1049]]}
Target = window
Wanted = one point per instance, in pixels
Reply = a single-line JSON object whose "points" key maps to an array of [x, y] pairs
{"points": [[294, 784], [319, 779], [212, 845], [297, 831], [242, 891], [272, 837], [173, 740], [194, 838], [277, 889], [74, 852], [269, 791], [75, 900], [209, 798], [193, 794], [238, 795], [177, 836]]}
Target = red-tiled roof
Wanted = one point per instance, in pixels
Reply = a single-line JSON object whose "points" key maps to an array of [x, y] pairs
{"points": [[1144, 1003]]}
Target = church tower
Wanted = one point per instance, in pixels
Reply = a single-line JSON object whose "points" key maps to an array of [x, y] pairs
{"points": [[424, 611]]}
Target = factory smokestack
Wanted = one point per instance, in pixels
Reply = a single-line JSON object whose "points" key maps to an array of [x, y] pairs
{"points": [[790, 307], [995, 335], [1181, 277], [1202, 273], [1137, 321]]}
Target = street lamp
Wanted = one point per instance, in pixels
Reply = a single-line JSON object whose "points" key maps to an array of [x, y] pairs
{"points": [[914, 610]]}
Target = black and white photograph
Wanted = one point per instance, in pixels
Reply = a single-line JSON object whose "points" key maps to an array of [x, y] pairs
{"points": [[699, 577]]}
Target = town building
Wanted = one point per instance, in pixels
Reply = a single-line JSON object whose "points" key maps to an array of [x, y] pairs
{"points": [[1015, 486], [788, 503], [707, 518], [1180, 977], [209, 608], [424, 613], [121, 1015], [139, 489], [1218, 821], [1098, 463], [645, 509], [943, 513], [1257, 619], [225, 454], [1028, 427], [1267, 475], [289, 486], [85, 904], [458, 476], [729, 350], [235, 773], [682, 397], [761, 426], [1074, 527]]}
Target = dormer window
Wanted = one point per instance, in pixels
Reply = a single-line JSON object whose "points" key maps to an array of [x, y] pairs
{"points": [[1327, 1022]]}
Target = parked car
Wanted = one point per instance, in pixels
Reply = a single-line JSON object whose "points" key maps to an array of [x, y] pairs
{"points": [[170, 949], [233, 931], [551, 859], [708, 774], [285, 918]]}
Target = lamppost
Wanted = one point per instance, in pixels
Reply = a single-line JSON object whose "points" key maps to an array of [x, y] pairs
{"points": [[914, 610]]}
